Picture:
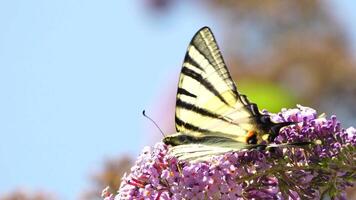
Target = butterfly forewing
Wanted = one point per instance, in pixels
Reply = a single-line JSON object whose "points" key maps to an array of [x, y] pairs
{"points": [[208, 102]]}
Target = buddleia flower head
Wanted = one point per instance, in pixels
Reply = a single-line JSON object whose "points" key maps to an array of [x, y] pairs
{"points": [[323, 168]]}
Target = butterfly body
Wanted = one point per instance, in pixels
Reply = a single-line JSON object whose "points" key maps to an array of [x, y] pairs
{"points": [[212, 117]]}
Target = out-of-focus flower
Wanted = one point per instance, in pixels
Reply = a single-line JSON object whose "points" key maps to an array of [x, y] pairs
{"points": [[109, 176], [324, 168], [24, 194]]}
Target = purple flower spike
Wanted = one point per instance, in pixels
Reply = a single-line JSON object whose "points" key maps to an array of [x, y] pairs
{"points": [[322, 169]]}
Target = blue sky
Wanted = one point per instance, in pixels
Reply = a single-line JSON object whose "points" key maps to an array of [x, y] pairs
{"points": [[74, 78]]}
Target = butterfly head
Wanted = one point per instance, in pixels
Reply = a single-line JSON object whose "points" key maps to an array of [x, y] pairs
{"points": [[267, 129], [272, 128]]}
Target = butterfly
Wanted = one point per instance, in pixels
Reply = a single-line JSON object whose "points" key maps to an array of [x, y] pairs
{"points": [[211, 116]]}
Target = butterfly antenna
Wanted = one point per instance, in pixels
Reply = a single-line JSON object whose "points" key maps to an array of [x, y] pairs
{"points": [[160, 130]]}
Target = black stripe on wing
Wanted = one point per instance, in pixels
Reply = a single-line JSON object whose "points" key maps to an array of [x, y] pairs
{"points": [[193, 128], [185, 92], [188, 72], [204, 41], [201, 111], [251, 107], [191, 61]]}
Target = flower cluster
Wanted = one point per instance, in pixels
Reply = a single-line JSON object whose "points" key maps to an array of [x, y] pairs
{"points": [[323, 168]]}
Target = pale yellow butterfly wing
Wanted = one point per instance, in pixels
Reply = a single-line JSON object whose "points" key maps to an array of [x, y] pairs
{"points": [[208, 102]]}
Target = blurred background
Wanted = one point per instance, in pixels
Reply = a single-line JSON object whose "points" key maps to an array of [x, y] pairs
{"points": [[76, 75]]}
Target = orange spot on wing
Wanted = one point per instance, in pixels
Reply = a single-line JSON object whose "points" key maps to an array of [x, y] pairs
{"points": [[250, 133]]}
